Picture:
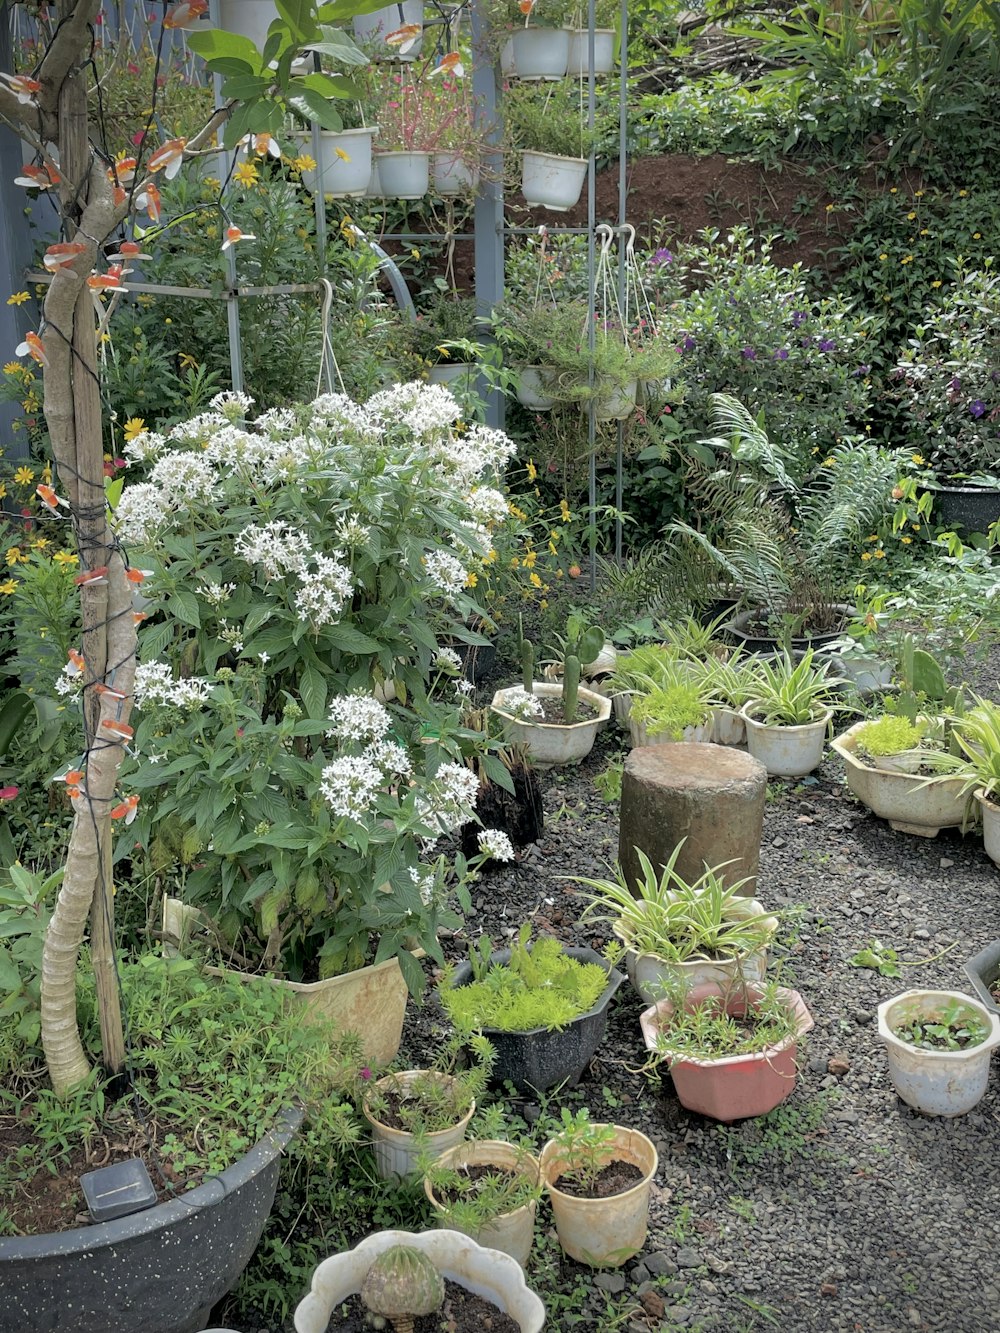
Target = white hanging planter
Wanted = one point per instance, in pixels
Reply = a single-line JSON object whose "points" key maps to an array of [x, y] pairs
{"points": [[452, 175], [786, 752], [619, 404], [370, 29], [548, 181], [374, 189], [945, 1083], [507, 68], [530, 389], [578, 64], [343, 177], [540, 54], [250, 18], [403, 175], [458, 374]]}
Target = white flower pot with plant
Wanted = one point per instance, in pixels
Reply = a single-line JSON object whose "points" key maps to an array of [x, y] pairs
{"points": [[677, 932], [555, 145], [458, 1258], [453, 174], [601, 1229], [892, 742], [679, 712], [403, 173], [494, 1203], [578, 61], [250, 18], [540, 54], [344, 166], [939, 1045], [787, 718], [976, 766], [910, 804], [531, 389], [551, 181]]}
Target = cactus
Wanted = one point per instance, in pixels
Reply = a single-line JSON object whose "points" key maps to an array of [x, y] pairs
{"points": [[401, 1283], [583, 641], [571, 687], [527, 664], [923, 687]]}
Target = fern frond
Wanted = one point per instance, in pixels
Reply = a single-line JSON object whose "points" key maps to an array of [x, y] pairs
{"points": [[749, 442], [857, 497]]}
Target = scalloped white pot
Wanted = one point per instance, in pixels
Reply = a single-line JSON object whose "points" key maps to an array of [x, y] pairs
{"points": [[945, 1083]]}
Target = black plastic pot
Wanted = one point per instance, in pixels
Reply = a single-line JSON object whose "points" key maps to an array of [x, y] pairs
{"points": [[519, 814], [972, 508], [158, 1271], [736, 632], [537, 1060], [984, 972]]}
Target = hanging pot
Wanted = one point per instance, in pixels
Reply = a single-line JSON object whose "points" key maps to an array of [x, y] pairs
{"points": [[460, 375], [552, 182], [344, 177], [370, 29], [530, 389], [507, 69], [452, 175], [404, 174], [619, 404], [540, 54], [578, 63], [374, 190]]}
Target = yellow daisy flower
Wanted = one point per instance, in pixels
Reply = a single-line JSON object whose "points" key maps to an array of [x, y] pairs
{"points": [[246, 174], [133, 427], [66, 558], [18, 298], [8, 586], [24, 476]]}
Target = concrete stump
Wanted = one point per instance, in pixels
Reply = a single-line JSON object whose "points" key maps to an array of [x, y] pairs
{"points": [[710, 795]]}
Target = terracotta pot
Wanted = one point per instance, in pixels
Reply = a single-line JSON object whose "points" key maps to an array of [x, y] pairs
{"points": [[510, 1233]]}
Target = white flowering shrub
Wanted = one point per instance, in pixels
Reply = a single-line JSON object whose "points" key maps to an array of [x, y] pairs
{"points": [[298, 565]]}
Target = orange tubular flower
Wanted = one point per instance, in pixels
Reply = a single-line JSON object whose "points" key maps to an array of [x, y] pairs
{"points": [[76, 665], [63, 254], [37, 178], [92, 578], [120, 730], [185, 15], [150, 202], [168, 158], [48, 497], [33, 347], [127, 809]]}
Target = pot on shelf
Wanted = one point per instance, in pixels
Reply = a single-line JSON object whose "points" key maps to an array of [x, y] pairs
{"points": [[549, 181], [342, 179], [944, 1083], [553, 743], [540, 54], [578, 61], [403, 175], [370, 29], [909, 805], [541, 1058], [786, 752], [495, 1276], [604, 1233], [511, 1233], [397, 1150]]}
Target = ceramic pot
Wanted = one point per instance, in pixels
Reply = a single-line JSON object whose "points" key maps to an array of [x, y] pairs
{"points": [[786, 752], [730, 1087], [991, 826], [552, 182], [640, 735], [370, 29], [604, 1233], [540, 54], [728, 727], [578, 61], [906, 761], [983, 970], [397, 1150], [458, 1258], [530, 389], [460, 375], [510, 1233], [403, 175], [737, 630], [944, 1083], [452, 175], [619, 404], [507, 69], [909, 805], [553, 743], [341, 179], [541, 1058]]}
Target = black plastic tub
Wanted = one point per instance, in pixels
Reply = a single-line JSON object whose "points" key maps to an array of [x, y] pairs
{"points": [[737, 631], [969, 508], [540, 1059]]}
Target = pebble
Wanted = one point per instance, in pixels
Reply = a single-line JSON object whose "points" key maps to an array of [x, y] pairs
{"points": [[660, 1264], [613, 1282], [688, 1257]]}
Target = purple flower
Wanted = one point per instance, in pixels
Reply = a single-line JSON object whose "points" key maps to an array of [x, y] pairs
{"points": [[781, 354], [688, 343], [978, 408], [797, 317], [955, 385], [826, 344], [365, 1073], [806, 341], [861, 370], [749, 354], [661, 256]]}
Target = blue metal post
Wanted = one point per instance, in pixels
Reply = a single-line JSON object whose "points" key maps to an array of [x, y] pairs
{"points": [[488, 222]]}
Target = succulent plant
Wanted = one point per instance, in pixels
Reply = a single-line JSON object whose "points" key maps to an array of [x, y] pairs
{"points": [[401, 1284]]}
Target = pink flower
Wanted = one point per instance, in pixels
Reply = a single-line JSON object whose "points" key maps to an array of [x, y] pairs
{"points": [[364, 1072], [8, 793]]}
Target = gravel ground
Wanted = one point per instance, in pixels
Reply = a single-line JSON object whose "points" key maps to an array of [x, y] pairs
{"points": [[843, 1209]]}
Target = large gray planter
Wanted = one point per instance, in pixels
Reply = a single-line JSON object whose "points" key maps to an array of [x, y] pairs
{"points": [[158, 1271], [983, 971], [737, 631]]}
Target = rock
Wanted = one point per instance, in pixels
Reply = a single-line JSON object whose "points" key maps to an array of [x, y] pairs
{"points": [[639, 1274], [946, 863], [688, 1257], [652, 1303], [660, 1264], [828, 1289], [862, 1016], [838, 1065], [613, 1282]]}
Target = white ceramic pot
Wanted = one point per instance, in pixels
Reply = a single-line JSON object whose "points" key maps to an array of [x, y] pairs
{"points": [[510, 1233], [403, 175], [540, 54], [578, 63], [945, 1083], [250, 18], [552, 182], [906, 761], [604, 1233], [639, 735], [910, 805], [552, 743], [342, 179], [622, 704], [786, 752], [370, 29], [507, 69], [991, 826], [397, 1150], [460, 375], [605, 662], [619, 404], [495, 1276], [452, 175], [728, 727], [531, 389]]}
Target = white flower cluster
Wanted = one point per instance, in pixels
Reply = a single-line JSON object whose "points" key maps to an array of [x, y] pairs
{"points": [[323, 591], [351, 531], [325, 582], [451, 799], [145, 446], [445, 572], [141, 514], [155, 687], [277, 547], [343, 415], [426, 884], [425, 409], [185, 477], [216, 593], [446, 659], [198, 430], [232, 404], [487, 504], [520, 704], [358, 717], [350, 784], [495, 844]]}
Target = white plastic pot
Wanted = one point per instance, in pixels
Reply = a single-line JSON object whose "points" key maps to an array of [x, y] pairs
{"points": [[370, 29], [507, 69], [945, 1083], [341, 179], [639, 735], [403, 175], [374, 190], [540, 54], [604, 1233], [578, 63], [490, 1274], [250, 18], [910, 805], [619, 404], [552, 182], [552, 743], [906, 761], [728, 727], [452, 175], [531, 389], [605, 661], [786, 752], [510, 1233], [460, 374], [397, 1150], [991, 826]]}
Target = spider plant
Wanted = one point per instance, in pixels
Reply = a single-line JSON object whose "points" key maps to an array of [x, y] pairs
{"points": [[691, 639], [977, 763], [787, 693]]}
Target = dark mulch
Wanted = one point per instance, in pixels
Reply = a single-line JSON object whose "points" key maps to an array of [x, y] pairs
{"points": [[462, 1312], [615, 1178]]}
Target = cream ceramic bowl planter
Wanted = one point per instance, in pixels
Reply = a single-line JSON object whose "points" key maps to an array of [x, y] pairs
{"points": [[494, 1276], [604, 1233], [397, 1150], [550, 181], [909, 805], [511, 1233], [640, 735], [551, 743], [944, 1083], [991, 826], [786, 752]]}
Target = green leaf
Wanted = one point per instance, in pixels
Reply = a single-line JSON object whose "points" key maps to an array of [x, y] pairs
{"points": [[340, 47], [331, 85], [10, 976], [243, 88], [237, 126], [312, 689], [496, 770], [350, 639], [226, 67], [298, 15], [184, 605], [311, 106], [215, 43]]}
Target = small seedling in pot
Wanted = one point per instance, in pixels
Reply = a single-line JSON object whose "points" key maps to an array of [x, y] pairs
{"points": [[953, 1028], [586, 1146]]}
